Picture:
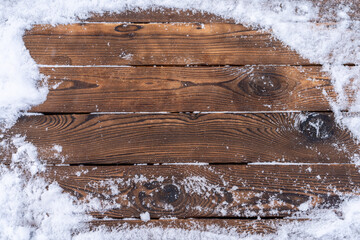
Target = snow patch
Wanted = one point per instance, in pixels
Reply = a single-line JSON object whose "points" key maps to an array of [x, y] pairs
{"points": [[145, 217]]}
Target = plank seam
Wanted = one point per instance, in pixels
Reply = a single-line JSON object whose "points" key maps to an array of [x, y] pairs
{"points": [[200, 164], [170, 113], [186, 65], [203, 218]]}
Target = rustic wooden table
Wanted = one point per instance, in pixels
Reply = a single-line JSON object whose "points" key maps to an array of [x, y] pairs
{"points": [[141, 98]]}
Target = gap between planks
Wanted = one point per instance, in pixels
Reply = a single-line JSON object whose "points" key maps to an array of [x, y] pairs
{"points": [[185, 65], [190, 164]]}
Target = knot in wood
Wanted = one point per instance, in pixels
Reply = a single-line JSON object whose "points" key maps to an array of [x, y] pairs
{"points": [[317, 127], [265, 84], [228, 197], [192, 115], [128, 28], [169, 193]]}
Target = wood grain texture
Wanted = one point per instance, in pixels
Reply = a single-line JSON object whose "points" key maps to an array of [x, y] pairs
{"points": [[212, 138], [240, 226], [156, 44], [208, 191], [182, 89]]}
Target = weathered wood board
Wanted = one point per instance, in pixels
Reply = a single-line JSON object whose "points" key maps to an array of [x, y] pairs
{"points": [[211, 138], [183, 89], [160, 15], [222, 226], [165, 15], [156, 44], [186, 191]]}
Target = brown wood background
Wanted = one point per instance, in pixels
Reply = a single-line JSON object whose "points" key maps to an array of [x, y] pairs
{"points": [[170, 88]]}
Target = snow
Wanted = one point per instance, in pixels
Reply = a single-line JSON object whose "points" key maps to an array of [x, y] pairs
{"points": [[145, 217], [57, 148], [32, 208], [211, 233]]}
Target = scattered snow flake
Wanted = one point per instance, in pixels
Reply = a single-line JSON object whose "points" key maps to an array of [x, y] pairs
{"points": [[145, 217]]}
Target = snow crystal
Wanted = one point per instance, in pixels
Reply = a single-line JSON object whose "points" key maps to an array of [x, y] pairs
{"points": [[145, 217], [56, 85], [126, 56], [57, 148]]}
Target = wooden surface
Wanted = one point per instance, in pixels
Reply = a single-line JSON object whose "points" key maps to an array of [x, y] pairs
{"points": [[200, 103], [212, 138], [261, 227], [186, 191], [183, 89], [159, 15], [326, 13], [156, 44]]}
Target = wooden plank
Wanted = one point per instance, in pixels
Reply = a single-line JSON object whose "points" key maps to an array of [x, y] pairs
{"points": [[164, 15], [208, 191], [156, 44], [211, 138], [182, 89], [222, 226], [326, 13]]}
